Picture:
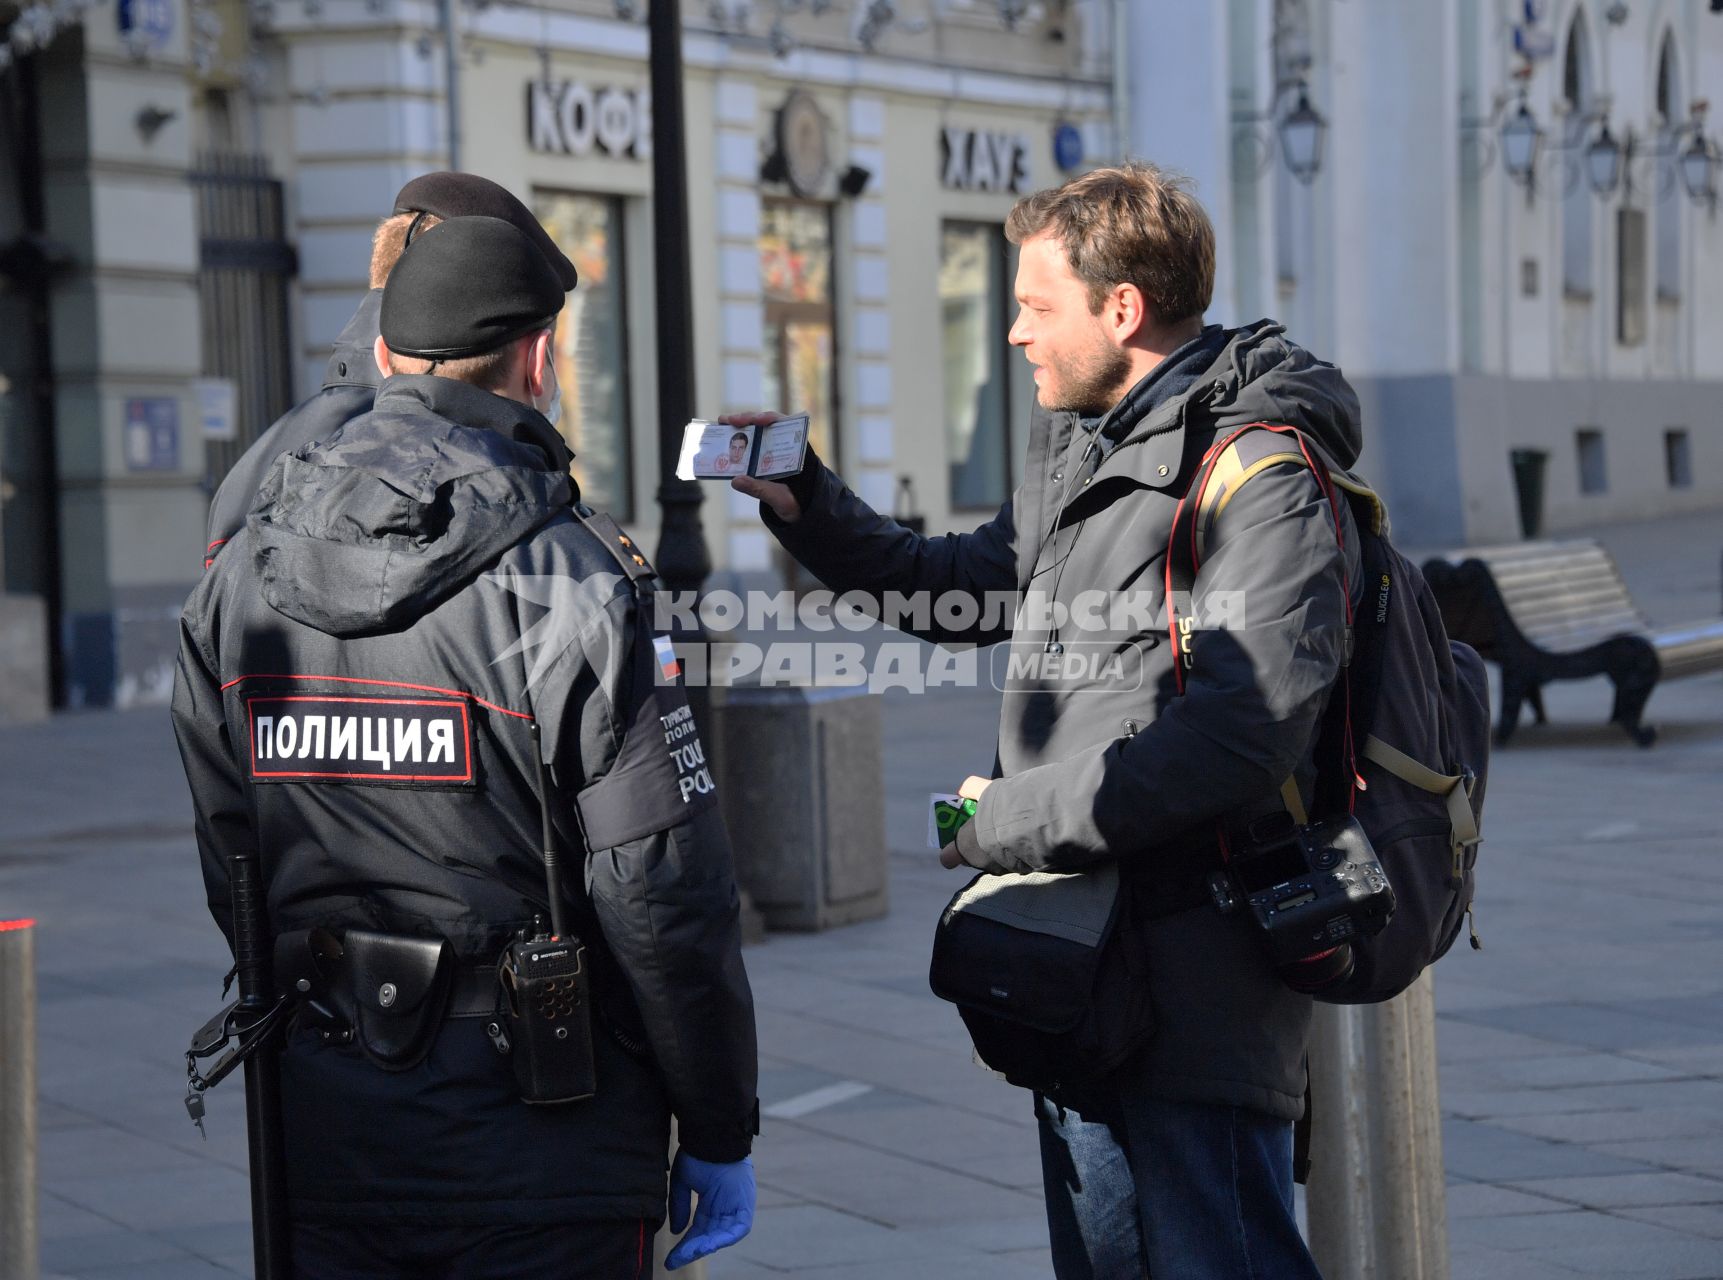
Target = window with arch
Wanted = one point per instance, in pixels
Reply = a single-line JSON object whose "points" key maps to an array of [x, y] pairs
{"points": [[1668, 184], [1579, 91]]}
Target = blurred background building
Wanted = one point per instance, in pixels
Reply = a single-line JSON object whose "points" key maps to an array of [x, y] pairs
{"points": [[1498, 217]]}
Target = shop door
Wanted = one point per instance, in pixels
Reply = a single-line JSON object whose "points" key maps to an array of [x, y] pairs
{"points": [[245, 268], [801, 349]]}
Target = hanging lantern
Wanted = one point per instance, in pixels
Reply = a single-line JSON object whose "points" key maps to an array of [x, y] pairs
{"points": [[1301, 133]]}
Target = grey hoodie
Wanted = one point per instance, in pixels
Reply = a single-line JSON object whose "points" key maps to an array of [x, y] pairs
{"points": [[1107, 761]]}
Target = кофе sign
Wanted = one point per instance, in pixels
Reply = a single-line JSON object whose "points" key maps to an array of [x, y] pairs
{"points": [[567, 117]]}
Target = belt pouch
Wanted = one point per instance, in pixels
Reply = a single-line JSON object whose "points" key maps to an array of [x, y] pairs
{"points": [[399, 989]]}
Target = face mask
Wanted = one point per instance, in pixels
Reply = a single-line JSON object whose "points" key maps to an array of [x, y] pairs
{"points": [[553, 410]]}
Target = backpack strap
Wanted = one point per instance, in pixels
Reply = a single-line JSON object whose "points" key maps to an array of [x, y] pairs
{"points": [[1234, 466], [1243, 456], [1456, 790]]}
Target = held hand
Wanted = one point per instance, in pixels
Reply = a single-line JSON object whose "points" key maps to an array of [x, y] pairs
{"points": [[971, 789], [726, 1206], [776, 496]]}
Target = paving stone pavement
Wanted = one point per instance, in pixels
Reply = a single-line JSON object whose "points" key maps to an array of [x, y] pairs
{"points": [[1581, 1050]]}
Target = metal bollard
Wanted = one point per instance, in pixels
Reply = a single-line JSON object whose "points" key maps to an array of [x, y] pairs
{"points": [[1377, 1196], [18, 1250]]}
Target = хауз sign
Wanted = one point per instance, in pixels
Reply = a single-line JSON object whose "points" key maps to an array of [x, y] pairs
{"points": [[570, 118], [982, 160]]}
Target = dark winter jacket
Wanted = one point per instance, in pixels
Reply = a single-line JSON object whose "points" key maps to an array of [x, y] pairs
{"points": [[359, 674], [349, 387], [1099, 757]]}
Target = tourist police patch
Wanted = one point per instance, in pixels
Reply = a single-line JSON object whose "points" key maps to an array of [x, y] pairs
{"points": [[342, 739]]}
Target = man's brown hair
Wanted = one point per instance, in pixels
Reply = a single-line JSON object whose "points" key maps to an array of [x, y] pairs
{"points": [[390, 239], [1133, 224]]}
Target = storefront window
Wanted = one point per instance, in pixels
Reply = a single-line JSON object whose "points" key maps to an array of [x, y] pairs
{"points": [[592, 347], [801, 336], [973, 288]]}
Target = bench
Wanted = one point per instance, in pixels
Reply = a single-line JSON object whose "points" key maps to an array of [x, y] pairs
{"points": [[1559, 611]]}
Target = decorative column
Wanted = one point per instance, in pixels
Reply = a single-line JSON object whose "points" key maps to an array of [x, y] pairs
{"points": [[126, 343], [367, 113], [874, 480], [741, 292]]}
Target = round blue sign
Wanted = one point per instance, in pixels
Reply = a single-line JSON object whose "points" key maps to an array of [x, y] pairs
{"points": [[148, 22], [1068, 146]]}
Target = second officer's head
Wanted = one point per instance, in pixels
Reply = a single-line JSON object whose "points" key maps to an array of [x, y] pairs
{"points": [[474, 300]]}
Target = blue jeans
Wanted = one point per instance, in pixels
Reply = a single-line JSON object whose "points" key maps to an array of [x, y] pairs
{"points": [[1139, 1186]]}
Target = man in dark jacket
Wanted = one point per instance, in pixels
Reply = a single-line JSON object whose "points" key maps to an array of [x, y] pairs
{"points": [[362, 673], [1181, 1163], [350, 380]]}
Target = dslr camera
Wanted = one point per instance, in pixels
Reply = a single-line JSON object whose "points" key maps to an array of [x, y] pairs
{"points": [[1313, 889]]}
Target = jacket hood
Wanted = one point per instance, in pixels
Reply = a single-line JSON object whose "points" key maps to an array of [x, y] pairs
{"points": [[1262, 377], [406, 504], [1259, 376], [351, 363]]}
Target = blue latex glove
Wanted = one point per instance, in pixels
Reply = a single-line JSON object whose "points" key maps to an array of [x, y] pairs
{"points": [[726, 1211]]}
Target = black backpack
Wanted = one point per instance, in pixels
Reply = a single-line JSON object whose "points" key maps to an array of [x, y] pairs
{"points": [[1413, 728]]}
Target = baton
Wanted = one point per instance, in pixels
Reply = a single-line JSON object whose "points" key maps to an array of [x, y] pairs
{"points": [[265, 1136]]}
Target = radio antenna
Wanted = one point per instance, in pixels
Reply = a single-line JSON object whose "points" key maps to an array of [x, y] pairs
{"points": [[552, 867]]}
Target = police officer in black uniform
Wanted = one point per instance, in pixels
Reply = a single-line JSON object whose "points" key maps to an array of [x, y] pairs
{"points": [[363, 674], [351, 378]]}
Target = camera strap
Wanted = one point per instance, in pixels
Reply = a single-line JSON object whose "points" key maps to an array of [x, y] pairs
{"points": [[1338, 780]]}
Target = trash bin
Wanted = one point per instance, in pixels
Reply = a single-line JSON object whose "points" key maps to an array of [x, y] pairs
{"points": [[799, 781], [904, 509], [1529, 467]]}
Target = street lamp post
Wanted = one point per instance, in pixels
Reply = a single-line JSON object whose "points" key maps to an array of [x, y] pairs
{"points": [[683, 558]]}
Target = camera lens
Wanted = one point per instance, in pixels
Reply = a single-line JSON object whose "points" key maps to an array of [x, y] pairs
{"points": [[1319, 972]]}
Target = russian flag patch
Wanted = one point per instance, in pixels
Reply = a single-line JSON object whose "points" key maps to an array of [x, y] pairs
{"points": [[668, 666]]}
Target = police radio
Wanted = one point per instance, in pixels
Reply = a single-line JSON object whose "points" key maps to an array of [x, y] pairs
{"points": [[547, 991]]}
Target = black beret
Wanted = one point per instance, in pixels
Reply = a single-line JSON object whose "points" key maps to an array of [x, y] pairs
{"points": [[466, 195], [465, 287]]}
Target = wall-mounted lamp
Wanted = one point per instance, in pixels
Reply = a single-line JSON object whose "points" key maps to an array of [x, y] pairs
{"points": [[1297, 133], [1521, 138], [1301, 133], [150, 119], [853, 180], [1603, 161], [1699, 170]]}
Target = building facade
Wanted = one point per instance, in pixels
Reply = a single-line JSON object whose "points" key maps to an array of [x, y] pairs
{"points": [[847, 188], [1556, 321], [188, 189], [215, 170]]}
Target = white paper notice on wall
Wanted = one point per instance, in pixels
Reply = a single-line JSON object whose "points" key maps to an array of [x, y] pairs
{"points": [[217, 402]]}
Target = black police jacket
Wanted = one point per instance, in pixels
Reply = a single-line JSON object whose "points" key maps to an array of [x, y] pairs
{"points": [[349, 388], [359, 671]]}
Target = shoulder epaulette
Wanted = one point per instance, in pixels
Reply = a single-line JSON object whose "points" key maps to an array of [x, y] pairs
{"points": [[621, 546]]}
